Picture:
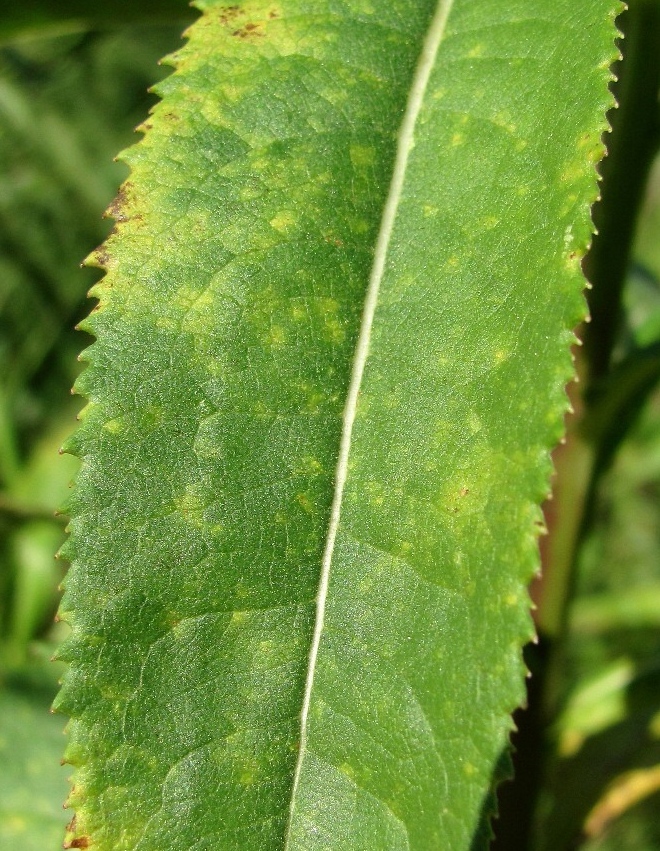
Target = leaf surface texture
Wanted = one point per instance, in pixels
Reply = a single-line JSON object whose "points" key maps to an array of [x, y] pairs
{"points": [[264, 532]]}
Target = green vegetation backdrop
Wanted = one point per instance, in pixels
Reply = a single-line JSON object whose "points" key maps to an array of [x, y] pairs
{"points": [[72, 88]]}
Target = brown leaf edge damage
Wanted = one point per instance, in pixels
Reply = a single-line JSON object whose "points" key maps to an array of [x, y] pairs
{"points": [[81, 832]]}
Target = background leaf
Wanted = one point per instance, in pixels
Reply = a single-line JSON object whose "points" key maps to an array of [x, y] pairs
{"points": [[44, 17], [31, 815]]}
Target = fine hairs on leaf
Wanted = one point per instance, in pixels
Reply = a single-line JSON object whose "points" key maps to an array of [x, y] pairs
{"points": [[331, 345]]}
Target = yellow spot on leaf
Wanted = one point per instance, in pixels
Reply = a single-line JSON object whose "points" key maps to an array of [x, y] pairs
{"points": [[348, 770], [186, 297], [474, 423], [191, 508], [234, 92], [573, 172], [362, 156], [309, 466], [360, 226], [284, 221], [276, 336], [305, 503]]}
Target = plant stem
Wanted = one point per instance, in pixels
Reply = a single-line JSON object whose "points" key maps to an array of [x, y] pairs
{"points": [[9, 457], [582, 460], [632, 145], [594, 435]]}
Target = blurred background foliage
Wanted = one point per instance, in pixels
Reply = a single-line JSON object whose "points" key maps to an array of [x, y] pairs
{"points": [[68, 104], [73, 85]]}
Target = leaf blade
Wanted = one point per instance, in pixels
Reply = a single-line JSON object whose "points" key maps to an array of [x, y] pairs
{"points": [[436, 530], [404, 146], [216, 389], [250, 459]]}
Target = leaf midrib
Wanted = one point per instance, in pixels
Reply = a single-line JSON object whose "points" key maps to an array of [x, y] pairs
{"points": [[405, 144]]}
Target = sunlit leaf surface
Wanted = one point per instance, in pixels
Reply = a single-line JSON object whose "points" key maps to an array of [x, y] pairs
{"points": [[332, 344]]}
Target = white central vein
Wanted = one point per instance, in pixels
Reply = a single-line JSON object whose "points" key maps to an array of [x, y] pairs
{"points": [[405, 145]]}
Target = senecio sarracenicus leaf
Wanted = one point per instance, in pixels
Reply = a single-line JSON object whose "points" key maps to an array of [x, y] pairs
{"points": [[331, 348]]}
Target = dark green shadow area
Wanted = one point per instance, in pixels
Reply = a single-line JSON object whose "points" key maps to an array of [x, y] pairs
{"points": [[36, 18]]}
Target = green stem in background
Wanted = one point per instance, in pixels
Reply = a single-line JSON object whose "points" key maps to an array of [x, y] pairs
{"points": [[618, 402], [594, 436], [612, 400], [9, 457], [38, 18], [593, 440], [614, 395], [33, 595], [574, 463], [57, 146], [632, 146]]}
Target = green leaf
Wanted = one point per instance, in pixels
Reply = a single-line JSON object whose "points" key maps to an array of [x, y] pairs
{"points": [[331, 349]]}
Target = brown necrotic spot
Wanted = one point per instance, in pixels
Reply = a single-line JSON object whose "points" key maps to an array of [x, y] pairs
{"points": [[117, 208], [248, 31], [78, 842], [228, 14], [99, 258]]}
